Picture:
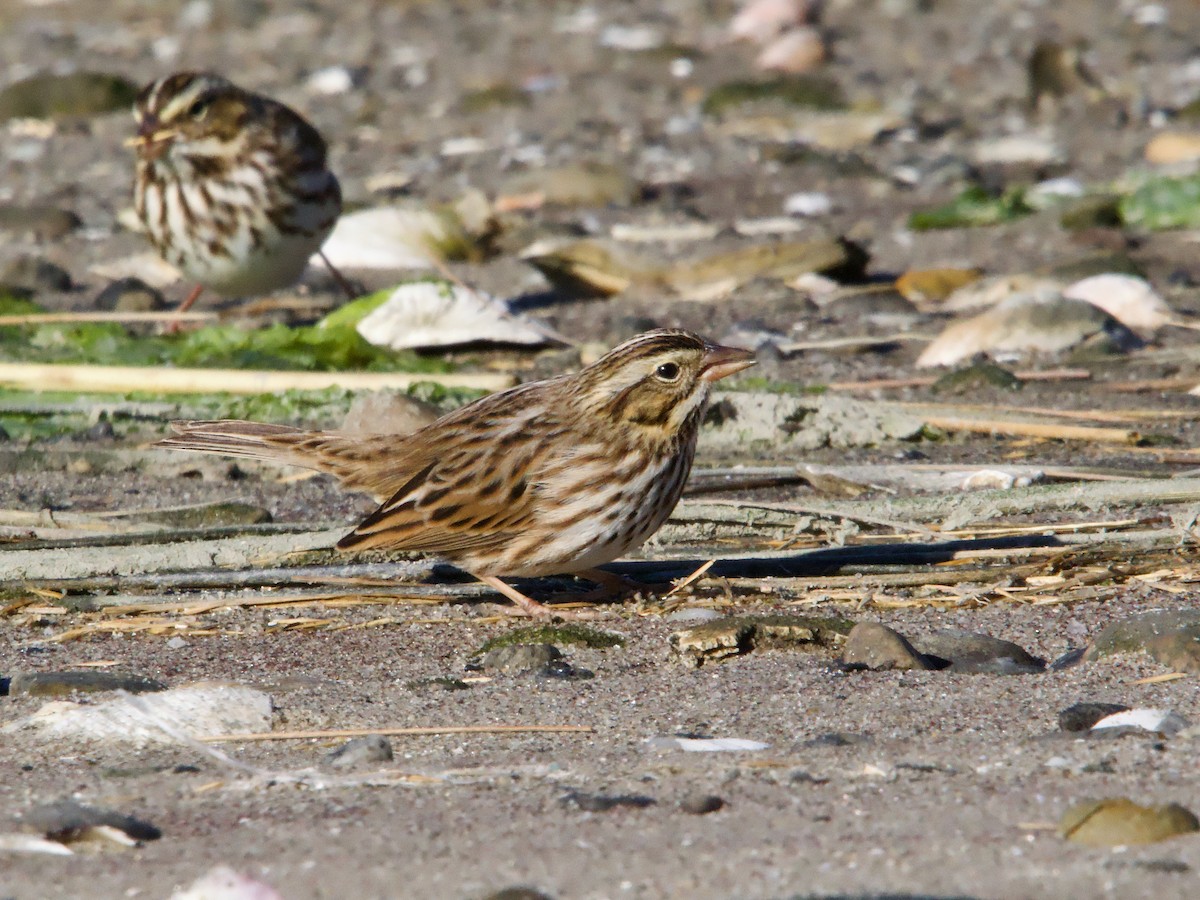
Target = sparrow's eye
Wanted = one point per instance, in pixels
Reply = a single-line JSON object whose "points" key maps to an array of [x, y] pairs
{"points": [[667, 372]]}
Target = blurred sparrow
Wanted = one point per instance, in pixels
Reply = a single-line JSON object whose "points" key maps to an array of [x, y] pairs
{"points": [[232, 187]]}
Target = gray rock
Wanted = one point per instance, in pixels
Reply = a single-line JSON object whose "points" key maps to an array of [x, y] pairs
{"points": [[1118, 821], [35, 274], [1069, 660], [43, 221], [67, 820], [604, 802], [60, 684], [518, 893], [520, 657], [798, 423], [1082, 716], [561, 670], [837, 739], [1171, 636], [388, 412], [130, 295], [972, 653], [701, 804], [737, 635], [979, 376], [359, 751], [1168, 866], [879, 647], [693, 614], [856, 304], [74, 95]]}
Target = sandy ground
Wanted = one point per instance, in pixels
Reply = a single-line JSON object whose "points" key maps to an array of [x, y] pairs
{"points": [[942, 785]]}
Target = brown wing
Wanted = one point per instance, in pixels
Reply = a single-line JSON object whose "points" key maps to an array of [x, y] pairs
{"points": [[376, 464], [475, 485]]}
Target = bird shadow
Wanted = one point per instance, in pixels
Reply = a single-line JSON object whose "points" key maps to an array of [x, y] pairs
{"points": [[827, 561]]}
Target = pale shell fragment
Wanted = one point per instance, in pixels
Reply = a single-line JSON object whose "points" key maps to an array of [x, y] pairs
{"points": [[1128, 299], [808, 204], [1160, 721], [196, 710], [148, 267], [438, 314], [388, 237], [706, 745], [223, 883], [1042, 322], [795, 51], [761, 20]]}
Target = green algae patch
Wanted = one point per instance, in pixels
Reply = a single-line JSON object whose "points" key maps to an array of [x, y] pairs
{"points": [[555, 634], [973, 208]]}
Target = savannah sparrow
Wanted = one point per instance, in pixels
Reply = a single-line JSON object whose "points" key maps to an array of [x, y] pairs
{"points": [[552, 477], [231, 186]]}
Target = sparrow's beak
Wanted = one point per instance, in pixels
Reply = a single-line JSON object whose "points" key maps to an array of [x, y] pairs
{"points": [[720, 362], [150, 133]]}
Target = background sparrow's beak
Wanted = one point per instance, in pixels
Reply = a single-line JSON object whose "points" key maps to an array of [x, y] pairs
{"points": [[720, 362], [150, 131]]}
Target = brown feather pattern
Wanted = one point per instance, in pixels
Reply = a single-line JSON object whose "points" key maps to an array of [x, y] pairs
{"points": [[555, 476]]}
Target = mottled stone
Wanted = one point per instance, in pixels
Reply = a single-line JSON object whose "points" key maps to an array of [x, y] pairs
{"points": [[360, 751], [388, 412], [130, 295], [1082, 716], [1171, 636], [520, 657], [605, 802], [879, 647], [973, 653], [60, 684], [739, 635], [35, 274], [1118, 821], [73, 95], [44, 222], [68, 820], [701, 804]]}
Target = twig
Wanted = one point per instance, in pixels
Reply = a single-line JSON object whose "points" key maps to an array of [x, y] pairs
{"points": [[690, 579], [827, 511], [1151, 384], [104, 316], [1047, 431], [1159, 679], [852, 343], [167, 380], [416, 732], [927, 380], [1087, 415]]}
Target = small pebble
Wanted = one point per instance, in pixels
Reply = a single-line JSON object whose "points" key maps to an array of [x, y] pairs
{"points": [[692, 614], [561, 670], [67, 820], [520, 657], [1082, 716], [370, 749], [518, 893], [59, 684], [808, 204], [604, 802], [879, 647], [129, 295], [35, 274], [837, 739], [701, 804]]}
